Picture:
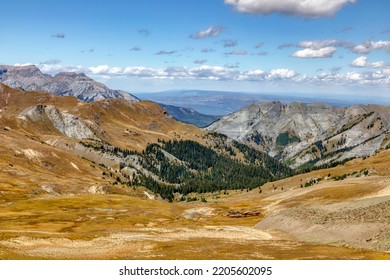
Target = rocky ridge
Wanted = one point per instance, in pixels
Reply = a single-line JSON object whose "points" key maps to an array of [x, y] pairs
{"points": [[79, 85], [301, 133]]}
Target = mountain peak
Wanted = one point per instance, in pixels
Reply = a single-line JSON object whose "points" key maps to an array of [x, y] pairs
{"points": [[25, 71], [63, 84]]}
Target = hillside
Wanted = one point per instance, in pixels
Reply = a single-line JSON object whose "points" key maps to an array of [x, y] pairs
{"points": [[313, 134], [188, 115], [332, 219], [133, 143], [78, 85]]}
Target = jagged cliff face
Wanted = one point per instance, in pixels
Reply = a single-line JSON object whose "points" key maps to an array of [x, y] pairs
{"points": [[63, 84], [300, 133]]}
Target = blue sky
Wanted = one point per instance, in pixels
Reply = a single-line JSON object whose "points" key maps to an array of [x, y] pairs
{"points": [[293, 46]]}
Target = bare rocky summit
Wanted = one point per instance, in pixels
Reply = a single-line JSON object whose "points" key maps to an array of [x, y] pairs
{"points": [[78, 85]]}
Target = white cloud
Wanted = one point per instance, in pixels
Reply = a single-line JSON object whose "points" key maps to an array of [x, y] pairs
{"points": [[105, 70], [23, 64], [369, 46], [305, 8], [56, 68], [362, 61], [379, 77], [211, 31], [281, 74], [316, 45], [315, 53]]}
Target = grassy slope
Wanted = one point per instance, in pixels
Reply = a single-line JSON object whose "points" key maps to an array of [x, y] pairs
{"points": [[125, 226]]}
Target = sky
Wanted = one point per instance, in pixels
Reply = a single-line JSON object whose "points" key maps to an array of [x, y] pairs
{"points": [[317, 47]]}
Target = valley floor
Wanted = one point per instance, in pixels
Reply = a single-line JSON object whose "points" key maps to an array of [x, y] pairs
{"points": [[242, 226], [332, 219]]}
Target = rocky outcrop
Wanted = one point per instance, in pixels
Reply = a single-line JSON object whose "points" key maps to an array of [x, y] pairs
{"points": [[66, 123], [78, 85]]}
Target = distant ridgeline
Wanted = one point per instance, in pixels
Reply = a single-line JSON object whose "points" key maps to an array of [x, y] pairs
{"points": [[184, 167]]}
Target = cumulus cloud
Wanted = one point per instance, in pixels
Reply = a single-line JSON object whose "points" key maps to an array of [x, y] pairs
{"points": [[23, 64], [304, 8], [202, 72], [316, 49], [375, 77], [144, 32], [281, 74], [370, 46], [135, 49], [211, 31], [316, 45], [58, 36], [56, 68], [165, 52], [105, 69], [315, 53], [229, 43], [363, 62]]}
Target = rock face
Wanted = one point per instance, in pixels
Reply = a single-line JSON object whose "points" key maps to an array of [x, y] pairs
{"points": [[66, 123], [299, 133], [62, 84]]}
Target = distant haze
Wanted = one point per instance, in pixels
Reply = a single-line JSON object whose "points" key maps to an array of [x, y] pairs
{"points": [[224, 102]]}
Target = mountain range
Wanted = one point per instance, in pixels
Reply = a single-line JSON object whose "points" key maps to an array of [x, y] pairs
{"points": [[74, 84]]}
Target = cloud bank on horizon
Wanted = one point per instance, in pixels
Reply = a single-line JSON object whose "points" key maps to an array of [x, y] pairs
{"points": [[251, 45]]}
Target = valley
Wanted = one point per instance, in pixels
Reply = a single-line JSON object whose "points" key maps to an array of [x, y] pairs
{"points": [[345, 219], [123, 179]]}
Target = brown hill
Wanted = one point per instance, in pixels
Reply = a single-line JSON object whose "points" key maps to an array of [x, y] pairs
{"points": [[40, 137]]}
